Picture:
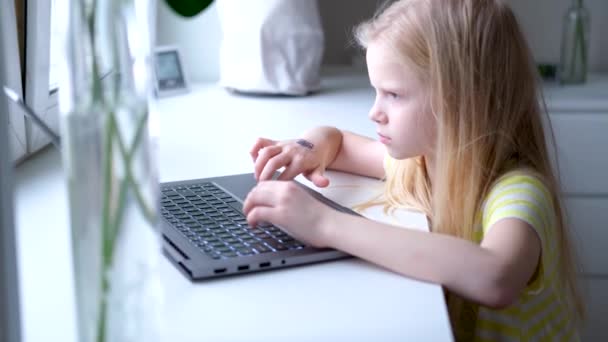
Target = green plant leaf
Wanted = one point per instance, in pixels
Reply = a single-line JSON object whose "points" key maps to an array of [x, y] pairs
{"points": [[188, 8]]}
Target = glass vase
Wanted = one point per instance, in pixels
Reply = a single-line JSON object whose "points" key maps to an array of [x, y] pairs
{"points": [[111, 177], [575, 44]]}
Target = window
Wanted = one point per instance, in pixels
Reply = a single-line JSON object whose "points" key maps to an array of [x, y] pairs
{"points": [[57, 16]]}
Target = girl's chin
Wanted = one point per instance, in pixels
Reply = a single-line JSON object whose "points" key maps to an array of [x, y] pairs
{"points": [[399, 155]]}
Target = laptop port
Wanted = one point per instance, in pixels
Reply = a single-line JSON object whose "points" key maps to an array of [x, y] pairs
{"points": [[243, 268], [264, 264], [219, 270]]}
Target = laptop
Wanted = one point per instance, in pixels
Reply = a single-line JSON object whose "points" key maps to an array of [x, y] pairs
{"points": [[205, 233]]}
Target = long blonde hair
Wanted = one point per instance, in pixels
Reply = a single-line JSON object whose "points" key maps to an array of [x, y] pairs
{"points": [[486, 100]]}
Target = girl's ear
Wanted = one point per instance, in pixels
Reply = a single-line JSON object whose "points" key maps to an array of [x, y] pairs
{"points": [[188, 8]]}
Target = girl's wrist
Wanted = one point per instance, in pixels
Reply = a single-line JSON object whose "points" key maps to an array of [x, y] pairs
{"points": [[327, 227], [326, 141]]}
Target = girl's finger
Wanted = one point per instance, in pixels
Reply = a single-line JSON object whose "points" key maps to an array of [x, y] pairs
{"points": [[290, 172], [260, 143], [263, 156], [317, 177], [263, 194], [261, 214], [274, 164]]}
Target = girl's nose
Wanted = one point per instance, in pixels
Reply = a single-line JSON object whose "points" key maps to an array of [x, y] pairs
{"points": [[377, 115]]}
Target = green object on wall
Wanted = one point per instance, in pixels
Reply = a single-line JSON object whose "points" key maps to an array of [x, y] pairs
{"points": [[188, 8]]}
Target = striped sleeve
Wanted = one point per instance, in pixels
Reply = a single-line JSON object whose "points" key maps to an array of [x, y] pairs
{"points": [[523, 197], [541, 312], [519, 196]]}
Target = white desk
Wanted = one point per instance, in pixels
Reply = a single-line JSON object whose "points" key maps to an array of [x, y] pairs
{"points": [[208, 133]]}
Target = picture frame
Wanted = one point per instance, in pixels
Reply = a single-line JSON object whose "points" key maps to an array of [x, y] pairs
{"points": [[169, 72]]}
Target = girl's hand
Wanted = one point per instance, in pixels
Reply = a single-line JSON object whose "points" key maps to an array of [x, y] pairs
{"points": [[309, 156], [270, 155], [287, 205]]}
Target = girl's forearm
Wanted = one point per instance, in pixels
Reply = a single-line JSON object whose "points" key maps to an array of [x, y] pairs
{"points": [[347, 151], [463, 267], [359, 155]]}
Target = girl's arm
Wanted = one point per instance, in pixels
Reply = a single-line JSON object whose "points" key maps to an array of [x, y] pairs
{"points": [[492, 274], [359, 155], [332, 149]]}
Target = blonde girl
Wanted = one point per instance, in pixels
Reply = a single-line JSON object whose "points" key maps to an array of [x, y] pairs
{"points": [[460, 137]]}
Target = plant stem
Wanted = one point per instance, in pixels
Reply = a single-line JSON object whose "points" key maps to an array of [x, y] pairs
{"points": [[111, 227], [112, 219], [106, 227], [127, 156]]}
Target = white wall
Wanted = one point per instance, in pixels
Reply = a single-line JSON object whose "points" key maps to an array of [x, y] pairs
{"points": [[541, 20], [197, 38]]}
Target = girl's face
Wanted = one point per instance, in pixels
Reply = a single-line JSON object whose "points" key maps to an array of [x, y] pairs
{"points": [[401, 111]]}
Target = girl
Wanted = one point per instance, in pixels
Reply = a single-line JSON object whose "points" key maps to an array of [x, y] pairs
{"points": [[460, 137]]}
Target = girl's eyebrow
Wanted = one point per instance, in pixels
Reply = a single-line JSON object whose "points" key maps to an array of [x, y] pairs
{"points": [[391, 89]]}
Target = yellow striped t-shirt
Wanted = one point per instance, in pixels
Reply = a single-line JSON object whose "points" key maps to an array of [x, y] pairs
{"points": [[541, 313]]}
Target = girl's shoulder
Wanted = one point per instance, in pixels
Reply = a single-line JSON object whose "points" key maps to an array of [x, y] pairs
{"points": [[519, 179], [520, 193]]}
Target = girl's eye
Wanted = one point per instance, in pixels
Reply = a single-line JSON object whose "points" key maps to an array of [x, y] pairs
{"points": [[392, 95]]}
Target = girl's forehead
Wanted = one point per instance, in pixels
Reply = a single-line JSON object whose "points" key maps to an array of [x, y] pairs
{"points": [[385, 63]]}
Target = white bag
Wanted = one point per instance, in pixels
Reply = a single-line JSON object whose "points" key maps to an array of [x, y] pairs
{"points": [[270, 46]]}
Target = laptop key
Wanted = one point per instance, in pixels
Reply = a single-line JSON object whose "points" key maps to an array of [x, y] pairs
{"points": [[287, 239], [272, 229], [245, 251], [206, 236], [275, 244], [294, 245], [241, 233], [260, 248], [186, 192], [264, 236], [225, 249], [231, 240], [238, 245], [205, 248], [249, 240], [218, 245], [230, 254], [264, 225]]}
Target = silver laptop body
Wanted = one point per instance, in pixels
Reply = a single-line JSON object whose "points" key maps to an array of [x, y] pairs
{"points": [[188, 235]]}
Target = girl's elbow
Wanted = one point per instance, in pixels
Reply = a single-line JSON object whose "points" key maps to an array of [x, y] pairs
{"points": [[500, 292], [499, 296]]}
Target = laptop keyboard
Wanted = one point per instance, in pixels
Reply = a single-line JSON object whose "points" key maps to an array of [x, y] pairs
{"points": [[204, 214]]}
